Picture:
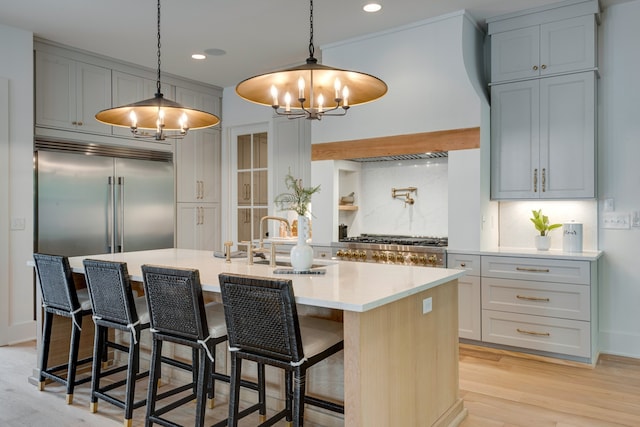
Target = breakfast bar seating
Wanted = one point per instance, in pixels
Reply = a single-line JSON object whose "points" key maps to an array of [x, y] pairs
{"points": [[263, 326], [406, 314], [114, 307], [179, 315], [60, 297]]}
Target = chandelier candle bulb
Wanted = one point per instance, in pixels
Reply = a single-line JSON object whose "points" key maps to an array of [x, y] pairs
{"points": [[300, 88], [274, 94], [287, 101]]}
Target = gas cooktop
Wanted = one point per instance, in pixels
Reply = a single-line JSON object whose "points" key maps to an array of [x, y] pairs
{"points": [[388, 239]]}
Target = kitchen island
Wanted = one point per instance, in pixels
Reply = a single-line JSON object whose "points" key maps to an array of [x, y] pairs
{"points": [[400, 329]]}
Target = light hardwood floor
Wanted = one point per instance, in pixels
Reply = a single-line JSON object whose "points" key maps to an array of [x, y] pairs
{"points": [[499, 390]]}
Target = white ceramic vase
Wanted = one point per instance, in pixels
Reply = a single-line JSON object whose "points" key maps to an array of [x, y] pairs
{"points": [[302, 252], [543, 243]]}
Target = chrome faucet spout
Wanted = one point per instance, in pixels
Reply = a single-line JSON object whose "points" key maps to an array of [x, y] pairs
{"points": [[275, 218]]}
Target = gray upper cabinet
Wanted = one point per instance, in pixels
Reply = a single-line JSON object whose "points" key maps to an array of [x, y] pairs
{"points": [[69, 93], [543, 103], [541, 50], [543, 138]]}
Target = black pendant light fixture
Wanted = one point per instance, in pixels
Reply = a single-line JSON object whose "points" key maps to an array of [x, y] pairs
{"points": [[311, 90], [163, 117]]}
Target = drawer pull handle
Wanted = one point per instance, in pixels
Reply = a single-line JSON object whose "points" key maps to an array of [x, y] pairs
{"points": [[533, 270], [538, 334], [462, 264], [526, 298]]}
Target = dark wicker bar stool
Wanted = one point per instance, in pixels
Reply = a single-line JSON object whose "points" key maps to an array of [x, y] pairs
{"points": [[179, 315], [263, 326], [60, 297], [114, 307]]}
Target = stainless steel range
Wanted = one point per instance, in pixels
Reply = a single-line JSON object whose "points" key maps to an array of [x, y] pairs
{"points": [[392, 249]]}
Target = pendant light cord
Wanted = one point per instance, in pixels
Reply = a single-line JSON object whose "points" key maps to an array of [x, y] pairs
{"points": [[158, 89], [311, 47]]}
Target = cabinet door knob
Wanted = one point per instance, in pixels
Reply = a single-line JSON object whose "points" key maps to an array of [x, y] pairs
{"points": [[463, 264], [535, 68], [544, 67]]}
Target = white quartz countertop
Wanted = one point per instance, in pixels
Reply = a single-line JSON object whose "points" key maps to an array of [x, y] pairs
{"points": [[533, 253], [350, 286]]}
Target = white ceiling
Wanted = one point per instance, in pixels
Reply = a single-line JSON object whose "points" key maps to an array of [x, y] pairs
{"points": [[258, 35]]}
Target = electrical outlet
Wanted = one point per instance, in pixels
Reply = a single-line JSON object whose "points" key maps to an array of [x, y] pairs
{"points": [[427, 305], [18, 223], [616, 220], [608, 205], [635, 219]]}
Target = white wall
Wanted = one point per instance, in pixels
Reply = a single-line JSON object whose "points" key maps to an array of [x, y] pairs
{"points": [[619, 177], [16, 279], [423, 66]]}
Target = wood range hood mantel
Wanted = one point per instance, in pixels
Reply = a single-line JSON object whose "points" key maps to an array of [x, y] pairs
{"points": [[445, 140]]}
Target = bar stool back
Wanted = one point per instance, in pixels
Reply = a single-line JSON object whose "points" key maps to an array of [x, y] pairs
{"points": [[263, 326], [178, 314], [115, 307], [60, 297]]}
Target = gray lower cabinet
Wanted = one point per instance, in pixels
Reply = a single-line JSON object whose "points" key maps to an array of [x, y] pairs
{"points": [[538, 305], [469, 303]]}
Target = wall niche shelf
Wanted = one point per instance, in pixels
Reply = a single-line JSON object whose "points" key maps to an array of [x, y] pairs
{"points": [[347, 208]]}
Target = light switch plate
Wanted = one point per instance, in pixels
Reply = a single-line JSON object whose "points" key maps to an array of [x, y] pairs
{"points": [[427, 305], [616, 220], [635, 219]]}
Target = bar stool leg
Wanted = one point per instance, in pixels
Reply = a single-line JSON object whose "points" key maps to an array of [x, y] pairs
{"points": [[234, 391], [288, 392], [204, 374], [73, 358], [46, 342], [98, 355], [211, 387], [262, 394], [132, 373], [154, 375], [299, 386]]}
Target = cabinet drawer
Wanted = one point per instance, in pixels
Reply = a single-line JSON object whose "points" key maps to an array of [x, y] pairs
{"points": [[471, 263], [571, 337], [539, 298], [543, 270]]}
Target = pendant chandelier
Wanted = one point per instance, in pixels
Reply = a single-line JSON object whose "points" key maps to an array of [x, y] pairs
{"points": [[166, 118], [320, 90]]}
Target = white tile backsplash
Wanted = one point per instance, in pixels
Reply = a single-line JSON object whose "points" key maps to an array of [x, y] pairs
{"points": [[517, 231], [381, 214]]}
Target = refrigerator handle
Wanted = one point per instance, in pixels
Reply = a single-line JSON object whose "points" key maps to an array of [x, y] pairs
{"points": [[110, 216], [121, 214]]}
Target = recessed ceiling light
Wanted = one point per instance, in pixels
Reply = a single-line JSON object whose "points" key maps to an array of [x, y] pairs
{"points": [[198, 56], [215, 52], [372, 6]]}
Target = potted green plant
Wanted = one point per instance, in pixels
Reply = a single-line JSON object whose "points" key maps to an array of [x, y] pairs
{"points": [[298, 199], [541, 222]]}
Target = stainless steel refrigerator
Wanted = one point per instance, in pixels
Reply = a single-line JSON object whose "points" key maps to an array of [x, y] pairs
{"points": [[93, 199]]}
